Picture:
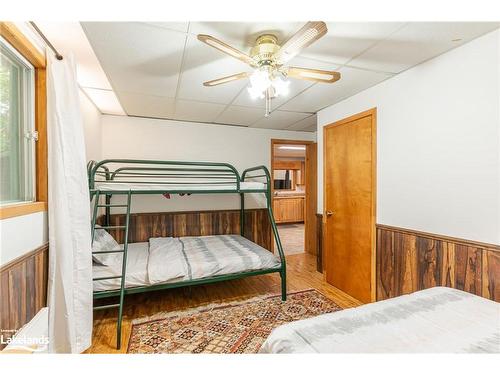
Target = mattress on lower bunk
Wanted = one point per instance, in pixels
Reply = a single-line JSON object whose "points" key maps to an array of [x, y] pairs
{"points": [[171, 259], [138, 186], [436, 320]]}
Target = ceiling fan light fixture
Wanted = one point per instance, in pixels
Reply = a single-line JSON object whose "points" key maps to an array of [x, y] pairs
{"points": [[281, 86], [262, 83], [269, 58], [260, 80], [255, 94]]}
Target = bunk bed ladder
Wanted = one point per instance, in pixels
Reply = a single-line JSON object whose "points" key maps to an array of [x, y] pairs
{"points": [[125, 227]]}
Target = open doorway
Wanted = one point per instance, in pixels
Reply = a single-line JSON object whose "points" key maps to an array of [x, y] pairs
{"points": [[293, 170]]}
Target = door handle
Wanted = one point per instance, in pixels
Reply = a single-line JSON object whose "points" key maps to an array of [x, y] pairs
{"points": [[329, 213]]}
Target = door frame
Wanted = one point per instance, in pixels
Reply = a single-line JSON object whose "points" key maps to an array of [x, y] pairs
{"points": [[307, 226], [373, 113]]}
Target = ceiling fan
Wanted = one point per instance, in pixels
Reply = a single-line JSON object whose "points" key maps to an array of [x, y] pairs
{"points": [[269, 59]]}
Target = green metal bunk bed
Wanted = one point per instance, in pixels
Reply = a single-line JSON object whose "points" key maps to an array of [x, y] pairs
{"points": [[132, 177]]}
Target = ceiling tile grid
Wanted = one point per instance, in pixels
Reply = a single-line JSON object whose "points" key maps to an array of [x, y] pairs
{"points": [[157, 69]]}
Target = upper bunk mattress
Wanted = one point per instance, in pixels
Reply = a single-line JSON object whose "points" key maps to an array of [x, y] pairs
{"points": [[136, 186], [436, 320], [172, 259]]}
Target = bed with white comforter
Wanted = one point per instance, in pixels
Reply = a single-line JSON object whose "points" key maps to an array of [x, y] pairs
{"points": [[173, 259], [436, 320]]}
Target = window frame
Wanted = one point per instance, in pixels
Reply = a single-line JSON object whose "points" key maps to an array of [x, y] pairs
{"points": [[26, 126], [12, 35]]}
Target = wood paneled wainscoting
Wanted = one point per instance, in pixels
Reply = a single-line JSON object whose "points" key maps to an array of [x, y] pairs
{"points": [[409, 260], [23, 289], [195, 223]]}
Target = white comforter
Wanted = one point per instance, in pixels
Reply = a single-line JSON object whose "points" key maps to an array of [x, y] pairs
{"points": [[173, 259], [191, 258], [436, 320]]}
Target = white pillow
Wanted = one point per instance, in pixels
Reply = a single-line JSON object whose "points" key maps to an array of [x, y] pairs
{"points": [[103, 241]]}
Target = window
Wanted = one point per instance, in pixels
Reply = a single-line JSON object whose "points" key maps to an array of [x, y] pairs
{"points": [[17, 129]]}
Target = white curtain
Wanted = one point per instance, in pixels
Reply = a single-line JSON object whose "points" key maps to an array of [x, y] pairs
{"points": [[70, 258]]}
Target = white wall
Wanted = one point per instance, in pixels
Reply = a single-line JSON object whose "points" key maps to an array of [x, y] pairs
{"points": [[140, 138], [22, 234], [438, 159], [92, 127]]}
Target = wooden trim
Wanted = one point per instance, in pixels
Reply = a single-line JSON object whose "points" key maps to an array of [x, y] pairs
{"points": [[275, 141], [14, 262], [19, 41], [373, 113], [22, 209], [41, 149], [440, 237]]}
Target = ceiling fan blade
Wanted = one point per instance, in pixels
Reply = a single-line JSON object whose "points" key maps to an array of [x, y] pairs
{"points": [[220, 81], [308, 34], [317, 75], [226, 48]]}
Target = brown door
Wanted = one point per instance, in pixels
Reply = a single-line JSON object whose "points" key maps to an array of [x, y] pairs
{"points": [[349, 205]]}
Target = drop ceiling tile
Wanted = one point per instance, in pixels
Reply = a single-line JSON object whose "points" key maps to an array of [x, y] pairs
{"points": [[346, 40], [417, 42], [304, 124], [280, 120], [238, 115], [197, 111], [324, 94], [137, 57], [311, 129], [204, 63], [242, 35], [147, 105], [105, 100], [175, 26]]}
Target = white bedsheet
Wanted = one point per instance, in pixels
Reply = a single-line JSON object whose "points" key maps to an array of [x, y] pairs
{"points": [[137, 275], [106, 186], [185, 258], [436, 320], [33, 337]]}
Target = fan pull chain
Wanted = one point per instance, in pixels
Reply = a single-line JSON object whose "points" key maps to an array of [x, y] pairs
{"points": [[268, 104]]}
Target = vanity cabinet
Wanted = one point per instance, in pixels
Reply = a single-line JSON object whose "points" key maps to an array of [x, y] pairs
{"points": [[288, 209]]}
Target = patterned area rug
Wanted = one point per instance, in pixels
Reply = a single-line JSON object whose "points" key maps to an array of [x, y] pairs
{"points": [[238, 327]]}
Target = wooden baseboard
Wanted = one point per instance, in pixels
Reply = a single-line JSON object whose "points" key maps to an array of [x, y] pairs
{"points": [[23, 289]]}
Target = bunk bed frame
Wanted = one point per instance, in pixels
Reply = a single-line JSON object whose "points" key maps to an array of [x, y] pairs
{"points": [[172, 177]]}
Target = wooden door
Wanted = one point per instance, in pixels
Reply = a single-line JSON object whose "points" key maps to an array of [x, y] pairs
{"points": [[349, 205]]}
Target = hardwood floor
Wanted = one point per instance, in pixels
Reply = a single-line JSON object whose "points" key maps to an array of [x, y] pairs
{"points": [[292, 238], [301, 274]]}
